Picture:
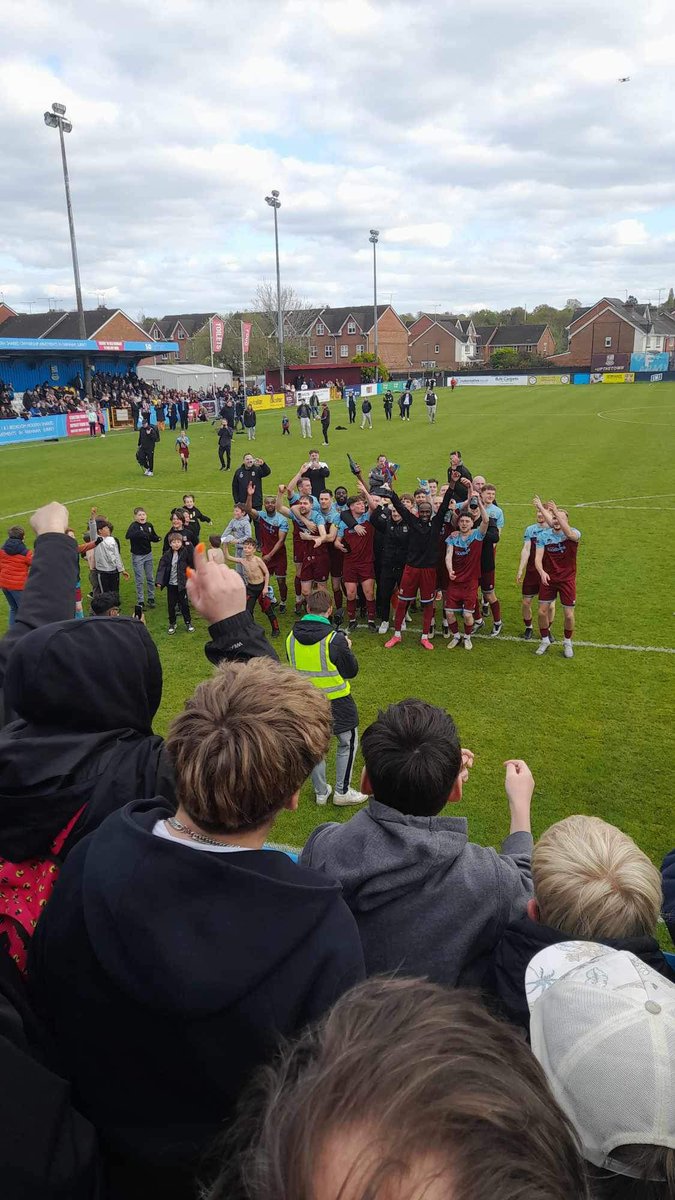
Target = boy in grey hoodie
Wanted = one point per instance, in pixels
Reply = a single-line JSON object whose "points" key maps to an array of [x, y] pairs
{"points": [[427, 901]]}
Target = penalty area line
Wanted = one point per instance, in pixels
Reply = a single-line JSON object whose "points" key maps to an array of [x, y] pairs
{"points": [[75, 500]]}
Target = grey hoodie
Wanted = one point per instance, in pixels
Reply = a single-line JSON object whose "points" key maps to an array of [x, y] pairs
{"points": [[427, 901]]}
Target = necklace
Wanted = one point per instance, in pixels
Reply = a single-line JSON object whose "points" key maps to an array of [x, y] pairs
{"points": [[198, 837]]}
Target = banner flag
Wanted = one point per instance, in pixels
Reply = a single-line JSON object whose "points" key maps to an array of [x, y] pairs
{"points": [[246, 327], [217, 333]]}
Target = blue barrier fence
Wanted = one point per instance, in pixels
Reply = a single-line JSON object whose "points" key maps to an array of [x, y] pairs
{"points": [[37, 429]]}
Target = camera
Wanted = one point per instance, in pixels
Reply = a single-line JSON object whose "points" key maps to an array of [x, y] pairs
{"points": [[473, 503], [138, 612]]}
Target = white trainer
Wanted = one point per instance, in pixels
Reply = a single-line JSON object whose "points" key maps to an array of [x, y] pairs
{"points": [[457, 637], [384, 627], [543, 646], [351, 796], [468, 644], [323, 799], [568, 649]]}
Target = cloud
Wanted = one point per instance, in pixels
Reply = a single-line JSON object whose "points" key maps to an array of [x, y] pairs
{"points": [[498, 154]]}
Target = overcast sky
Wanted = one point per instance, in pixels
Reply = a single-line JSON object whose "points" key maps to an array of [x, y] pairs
{"points": [[489, 140]]}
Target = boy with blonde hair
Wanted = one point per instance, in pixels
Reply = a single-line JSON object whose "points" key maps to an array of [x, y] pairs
{"points": [[591, 882]]}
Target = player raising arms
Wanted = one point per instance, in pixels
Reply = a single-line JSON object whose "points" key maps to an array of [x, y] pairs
{"points": [[463, 561], [419, 573], [271, 528], [356, 540], [311, 540], [529, 574], [556, 562]]}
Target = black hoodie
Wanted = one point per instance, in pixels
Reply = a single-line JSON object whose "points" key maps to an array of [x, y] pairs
{"points": [[168, 973], [524, 938], [84, 694]]}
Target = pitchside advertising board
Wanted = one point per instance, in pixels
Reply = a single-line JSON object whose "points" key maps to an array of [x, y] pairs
{"points": [[265, 402], [506, 380], [322, 394]]}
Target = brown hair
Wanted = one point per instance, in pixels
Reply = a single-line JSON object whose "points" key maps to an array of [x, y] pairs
{"points": [[16, 531], [214, 541], [404, 1086], [592, 881], [319, 601], [245, 742]]}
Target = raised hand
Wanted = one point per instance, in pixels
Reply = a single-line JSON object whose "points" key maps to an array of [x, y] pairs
{"points": [[216, 591]]}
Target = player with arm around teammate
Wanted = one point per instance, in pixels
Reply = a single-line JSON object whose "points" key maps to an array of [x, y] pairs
{"points": [[529, 575], [272, 530], [463, 562], [556, 562]]}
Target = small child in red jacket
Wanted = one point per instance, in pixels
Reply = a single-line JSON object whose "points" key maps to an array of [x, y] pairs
{"points": [[15, 560]]}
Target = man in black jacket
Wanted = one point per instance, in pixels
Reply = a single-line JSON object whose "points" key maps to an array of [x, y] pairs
{"points": [[591, 883], [458, 474], [395, 532], [193, 949], [148, 437], [224, 444], [252, 470], [419, 573]]}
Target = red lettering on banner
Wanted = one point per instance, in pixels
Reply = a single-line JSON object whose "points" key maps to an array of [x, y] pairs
{"points": [[77, 423]]}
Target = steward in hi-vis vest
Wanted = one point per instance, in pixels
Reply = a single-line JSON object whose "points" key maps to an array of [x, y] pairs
{"points": [[324, 656]]}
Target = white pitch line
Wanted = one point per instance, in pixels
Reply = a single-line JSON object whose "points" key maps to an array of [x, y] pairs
{"points": [[622, 499], [486, 637], [76, 500]]}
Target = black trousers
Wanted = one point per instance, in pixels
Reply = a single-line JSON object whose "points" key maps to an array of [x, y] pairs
{"points": [[325, 429], [109, 581], [177, 598], [224, 452], [184, 420], [352, 415], [387, 580], [387, 412]]}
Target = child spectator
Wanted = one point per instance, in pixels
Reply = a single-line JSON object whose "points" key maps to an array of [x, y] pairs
{"points": [[15, 560], [314, 648], [214, 552], [172, 575], [602, 1026], [195, 948], [183, 449], [107, 560], [285, 426], [237, 531], [591, 882], [250, 421], [405, 1090], [105, 604], [195, 515], [182, 526], [141, 536], [257, 580], [427, 901]]}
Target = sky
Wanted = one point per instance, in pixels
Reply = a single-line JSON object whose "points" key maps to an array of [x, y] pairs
{"points": [[490, 142]]}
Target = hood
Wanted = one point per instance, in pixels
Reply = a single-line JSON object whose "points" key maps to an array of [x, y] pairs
{"points": [[308, 633], [524, 938], [186, 930], [90, 676], [14, 546], [382, 854]]}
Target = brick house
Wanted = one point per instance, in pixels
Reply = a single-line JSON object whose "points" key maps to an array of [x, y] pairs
{"points": [[609, 331], [337, 335], [178, 327], [101, 324], [526, 339], [441, 342]]}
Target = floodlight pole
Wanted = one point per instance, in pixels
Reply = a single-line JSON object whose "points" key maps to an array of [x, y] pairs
{"points": [[57, 117], [275, 203], [374, 235]]}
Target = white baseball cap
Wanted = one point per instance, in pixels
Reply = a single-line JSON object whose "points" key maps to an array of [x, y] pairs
{"points": [[602, 1025]]}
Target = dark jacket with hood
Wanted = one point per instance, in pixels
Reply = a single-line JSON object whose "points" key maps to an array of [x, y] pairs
{"points": [[313, 629], [524, 938], [668, 883], [185, 560], [427, 901], [241, 479], [168, 973]]}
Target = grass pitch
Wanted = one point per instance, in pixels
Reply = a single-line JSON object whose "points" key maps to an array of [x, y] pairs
{"points": [[597, 731]]}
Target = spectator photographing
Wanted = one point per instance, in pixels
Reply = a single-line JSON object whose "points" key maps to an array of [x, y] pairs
{"points": [[405, 1090]]}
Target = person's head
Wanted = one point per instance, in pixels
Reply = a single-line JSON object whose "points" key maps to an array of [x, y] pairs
{"points": [[186, 518], [556, 523], [404, 1091], [341, 495], [357, 506], [245, 743], [602, 1025], [177, 519], [249, 547], [408, 500], [224, 425], [17, 532], [479, 482], [248, 461], [425, 509], [314, 457], [319, 603], [433, 487], [214, 541], [420, 493], [382, 461], [592, 881], [175, 542], [239, 511], [140, 515], [305, 505], [455, 458], [465, 523], [189, 500], [305, 487], [443, 489], [105, 529], [413, 759], [105, 604], [269, 504], [488, 493], [325, 499]]}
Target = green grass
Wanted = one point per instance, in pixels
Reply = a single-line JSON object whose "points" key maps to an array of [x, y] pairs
{"points": [[597, 731]]}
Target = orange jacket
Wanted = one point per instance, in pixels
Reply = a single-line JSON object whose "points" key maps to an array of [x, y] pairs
{"points": [[14, 569]]}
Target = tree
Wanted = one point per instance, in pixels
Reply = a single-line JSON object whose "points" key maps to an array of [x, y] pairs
{"points": [[504, 357], [367, 363]]}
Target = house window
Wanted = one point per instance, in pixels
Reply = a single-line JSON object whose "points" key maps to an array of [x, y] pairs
{"points": [[312, 352], [359, 349], [344, 351], [328, 351], [437, 349], [320, 330], [608, 342], [351, 328], [180, 333]]}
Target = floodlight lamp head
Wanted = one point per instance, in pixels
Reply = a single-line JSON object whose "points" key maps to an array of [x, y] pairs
{"points": [[273, 200], [66, 126], [59, 108], [51, 119], [374, 235]]}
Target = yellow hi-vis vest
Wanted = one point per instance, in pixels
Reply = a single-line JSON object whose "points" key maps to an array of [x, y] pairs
{"points": [[314, 662]]}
